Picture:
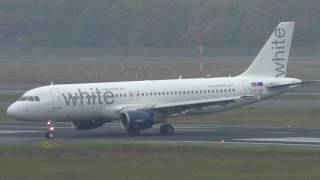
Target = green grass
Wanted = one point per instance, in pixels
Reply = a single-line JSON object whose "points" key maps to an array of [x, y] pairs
{"points": [[138, 162], [9, 97]]}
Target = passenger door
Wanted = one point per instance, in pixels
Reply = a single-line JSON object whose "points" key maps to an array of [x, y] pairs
{"points": [[56, 98]]}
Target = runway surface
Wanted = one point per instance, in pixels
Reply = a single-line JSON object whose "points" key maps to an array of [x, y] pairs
{"points": [[20, 133]]}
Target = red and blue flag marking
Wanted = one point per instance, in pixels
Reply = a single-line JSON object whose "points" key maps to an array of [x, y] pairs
{"points": [[257, 84]]}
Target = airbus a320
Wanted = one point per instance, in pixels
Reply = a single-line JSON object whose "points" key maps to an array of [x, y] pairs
{"points": [[138, 105]]}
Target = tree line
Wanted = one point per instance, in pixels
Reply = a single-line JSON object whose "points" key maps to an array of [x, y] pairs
{"points": [[153, 23]]}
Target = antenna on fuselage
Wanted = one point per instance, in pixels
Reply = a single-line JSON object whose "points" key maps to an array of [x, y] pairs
{"points": [[201, 62]]}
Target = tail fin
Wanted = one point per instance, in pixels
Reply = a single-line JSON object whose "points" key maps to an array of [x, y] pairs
{"points": [[272, 59]]}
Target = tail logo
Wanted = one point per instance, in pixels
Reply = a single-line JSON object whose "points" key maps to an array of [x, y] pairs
{"points": [[279, 50]]}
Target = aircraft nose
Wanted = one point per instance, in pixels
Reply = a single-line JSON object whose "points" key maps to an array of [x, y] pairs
{"points": [[12, 111]]}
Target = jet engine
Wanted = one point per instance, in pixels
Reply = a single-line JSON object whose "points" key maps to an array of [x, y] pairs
{"points": [[88, 124], [134, 121]]}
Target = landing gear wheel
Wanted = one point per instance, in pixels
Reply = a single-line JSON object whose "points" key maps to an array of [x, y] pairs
{"points": [[166, 129], [50, 133], [133, 132]]}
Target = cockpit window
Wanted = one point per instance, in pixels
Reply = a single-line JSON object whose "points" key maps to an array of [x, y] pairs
{"points": [[22, 99], [36, 98], [29, 98]]}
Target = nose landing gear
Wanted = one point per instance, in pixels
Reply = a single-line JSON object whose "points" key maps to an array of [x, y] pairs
{"points": [[50, 132]]}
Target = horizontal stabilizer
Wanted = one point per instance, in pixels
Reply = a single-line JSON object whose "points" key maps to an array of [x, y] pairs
{"points": [[271, 86]]}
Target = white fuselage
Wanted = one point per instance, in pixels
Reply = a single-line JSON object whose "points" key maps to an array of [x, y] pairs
{"points": [[104, 101]]}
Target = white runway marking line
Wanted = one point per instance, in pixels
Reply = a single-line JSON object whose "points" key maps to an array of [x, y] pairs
{"points": [[304, 94], [285, 139], [17, 132], [197, 130], [35, 127], [241, 143], [236, 143], [275, 132]]}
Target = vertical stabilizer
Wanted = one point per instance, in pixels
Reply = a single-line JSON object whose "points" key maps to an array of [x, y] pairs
{"points": [[272, 59]]}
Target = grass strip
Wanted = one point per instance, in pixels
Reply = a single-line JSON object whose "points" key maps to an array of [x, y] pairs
{"points": [[125, 161]]}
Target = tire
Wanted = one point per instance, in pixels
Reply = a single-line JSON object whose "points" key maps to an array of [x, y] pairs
{"points": [[166, 129]]}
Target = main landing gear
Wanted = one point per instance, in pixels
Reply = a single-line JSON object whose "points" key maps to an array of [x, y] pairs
{"points": [[166, 129], [50, 132]]}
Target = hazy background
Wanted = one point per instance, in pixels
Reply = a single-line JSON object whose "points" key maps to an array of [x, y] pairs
{"points": [[115, 40], [153, 23], [72, 41]]}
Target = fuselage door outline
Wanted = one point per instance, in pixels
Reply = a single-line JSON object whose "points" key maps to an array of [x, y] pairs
{"points": [[56, 99]]}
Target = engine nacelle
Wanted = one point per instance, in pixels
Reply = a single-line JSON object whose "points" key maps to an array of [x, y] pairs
{"points": [[88, 124], [136, 120]]}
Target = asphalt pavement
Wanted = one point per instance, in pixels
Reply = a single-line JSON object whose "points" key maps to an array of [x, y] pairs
{"points": [[22, 133]]}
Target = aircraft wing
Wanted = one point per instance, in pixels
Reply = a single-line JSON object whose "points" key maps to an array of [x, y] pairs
{"points": [[196, 103], [274, 86], [175, 107]]}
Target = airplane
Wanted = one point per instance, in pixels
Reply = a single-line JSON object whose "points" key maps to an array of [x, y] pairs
{"points": [[138, 105]]}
